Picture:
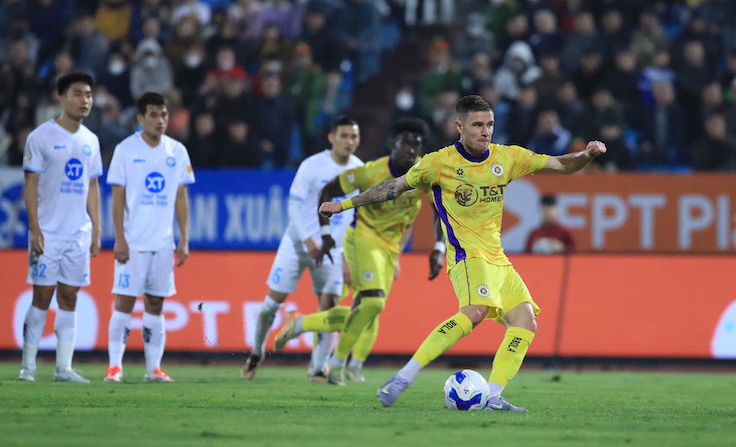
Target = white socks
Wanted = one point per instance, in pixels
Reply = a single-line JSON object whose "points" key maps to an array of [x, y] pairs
{"points": [[355, 363], [154, 339], [325, 343], [335, 362], [410, 370], [118, 333], [495, 388], [66, 332], [263, 325], [32, 332]]}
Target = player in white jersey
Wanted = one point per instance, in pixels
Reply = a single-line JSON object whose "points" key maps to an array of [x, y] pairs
{"points": [[61, 163], [299, 246], [149, 174]]}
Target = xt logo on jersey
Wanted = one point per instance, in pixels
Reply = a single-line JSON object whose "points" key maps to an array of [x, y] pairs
{"points": [[73, 169], [155, 182], [467, 195]]}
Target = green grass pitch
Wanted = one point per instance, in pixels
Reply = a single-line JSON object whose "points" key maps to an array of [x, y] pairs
{"points": [[210, 405]]}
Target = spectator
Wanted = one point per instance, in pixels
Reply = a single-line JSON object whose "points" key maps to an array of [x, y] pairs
{"points": [[87, 46], [663, 129], [590, 74], [114, 128], [204, 143], [113, 19], [273, 124], [622, 80], [359, 28], [237, 146], [199, 10], [615, 36], [550, 237], [226, 68], [584, 40], [144, 10], [474, 39], [179, 116], [244, 16], [150, 71], [327, 50], [479, 74], [48, 22], [550, 138], [523, 116], [272, 46], [546, 39], [716, 150], [693, 75], [501, 110], [649, 39], [187, 33], [517, 30], [698, 29], [551, 79], [605, 121], [306, 84], [19, 29], [518, 69], [116, 77], [442, 74], [570, 108], [282, 14]]}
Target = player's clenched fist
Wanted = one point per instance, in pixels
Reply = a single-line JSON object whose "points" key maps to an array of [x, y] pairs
{"points": [[595, 148], [327, 209]]}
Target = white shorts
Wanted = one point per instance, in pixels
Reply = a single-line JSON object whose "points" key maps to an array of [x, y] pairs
{"points": [[291, 260], [150, 272], [65, 262]]}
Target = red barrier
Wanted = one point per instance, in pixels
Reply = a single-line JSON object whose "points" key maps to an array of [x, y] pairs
{"points": [[647, 306]]}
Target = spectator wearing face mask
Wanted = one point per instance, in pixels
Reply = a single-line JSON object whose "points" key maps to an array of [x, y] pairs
{"points": [[150, 71], [116, 78]]}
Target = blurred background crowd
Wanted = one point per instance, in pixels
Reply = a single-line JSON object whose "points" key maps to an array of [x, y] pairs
{"points": [[255, 83]]}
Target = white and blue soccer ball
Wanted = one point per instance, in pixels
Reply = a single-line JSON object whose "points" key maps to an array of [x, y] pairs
{"points": [[466, 390]]}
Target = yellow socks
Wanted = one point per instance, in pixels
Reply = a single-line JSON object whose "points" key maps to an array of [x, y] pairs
{"points": [[360, 317], [510, 354], [331, 320], [442, 338], [363, 346]]}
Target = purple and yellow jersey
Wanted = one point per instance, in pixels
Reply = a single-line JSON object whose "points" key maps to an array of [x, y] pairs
{"points": [[387, 220], [468, 193]]}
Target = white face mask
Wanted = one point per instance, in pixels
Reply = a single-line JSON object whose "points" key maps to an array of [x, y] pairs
{"points": [[192, 60], [226, 65], [116, 67], [405, 101], [100, 99]]}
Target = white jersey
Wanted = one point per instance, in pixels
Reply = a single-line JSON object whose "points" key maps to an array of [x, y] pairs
{"points": [[65, 161], [312, 175], [151, 177]]}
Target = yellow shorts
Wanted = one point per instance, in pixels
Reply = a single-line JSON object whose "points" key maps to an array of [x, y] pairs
{"points": [[372, 264], [499, 287]]}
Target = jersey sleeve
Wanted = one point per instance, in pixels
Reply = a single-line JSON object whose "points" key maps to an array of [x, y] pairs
{"points": [[525, 161], [95, 165], [425, 173], [300, 185], [33, 155], [187, 172], [352, 179], [116, 172]]}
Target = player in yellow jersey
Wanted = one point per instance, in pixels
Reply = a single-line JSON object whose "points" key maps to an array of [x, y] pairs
{"points": [[468, 180], [372, 245]]}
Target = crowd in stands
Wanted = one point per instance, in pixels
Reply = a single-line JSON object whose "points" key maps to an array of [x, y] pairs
{"points": [[254, 83]]}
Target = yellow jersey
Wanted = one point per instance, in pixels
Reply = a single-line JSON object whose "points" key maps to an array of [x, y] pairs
{"points": [[388, 220], [468, 194]]}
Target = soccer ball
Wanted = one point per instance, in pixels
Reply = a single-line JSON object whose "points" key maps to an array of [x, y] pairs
{"points": [[466, 390]]}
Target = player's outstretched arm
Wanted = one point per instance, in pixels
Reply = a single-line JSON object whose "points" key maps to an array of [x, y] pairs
{"points": [[382, 192], [330, 190], [569, 163]]}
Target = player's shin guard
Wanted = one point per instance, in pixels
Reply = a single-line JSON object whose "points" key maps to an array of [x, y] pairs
{"points": [[442, 338], [331, 320], [154, 339], [363, 346], [32, 332], [65, 326], [510, 355], [263, 325], [118, 332], [360, 317]]}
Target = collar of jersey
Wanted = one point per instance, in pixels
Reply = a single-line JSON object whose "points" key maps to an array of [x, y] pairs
{"points": [[467, 155]]}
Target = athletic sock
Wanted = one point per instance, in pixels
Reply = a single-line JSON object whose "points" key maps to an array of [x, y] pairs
{"points": [[442, 338], [360, 317], [263, 325], [32, 332], [118, 333], [410, 370], [510, 355], [154, 339], [355, 363], [363, 346], [331, 320], [65, 326], [325, 343]]}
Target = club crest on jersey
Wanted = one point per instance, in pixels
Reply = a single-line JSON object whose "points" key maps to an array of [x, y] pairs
{"points": [[483, 290], [170, 162], [466, 195], [155, 182], [87, 150], [73, 169], [368, 276], [497, 170]]}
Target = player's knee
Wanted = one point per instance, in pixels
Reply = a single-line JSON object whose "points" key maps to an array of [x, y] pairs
{"points": [[153, 304], [124, 304], [279, 297]]}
